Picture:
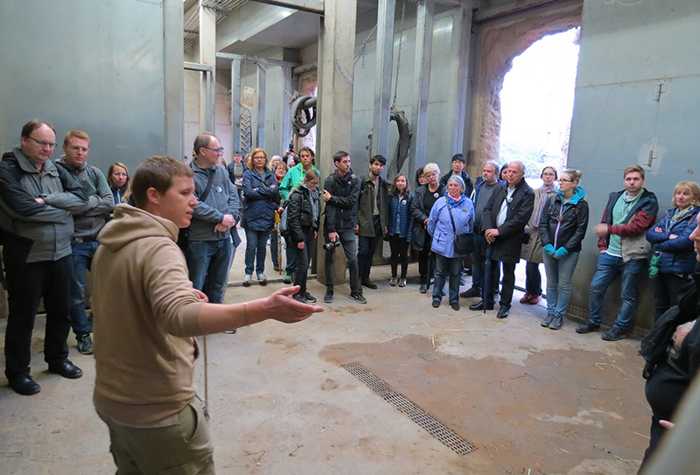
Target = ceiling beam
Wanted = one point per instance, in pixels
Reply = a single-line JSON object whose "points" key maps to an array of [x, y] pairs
{"points": [[311, 6]]}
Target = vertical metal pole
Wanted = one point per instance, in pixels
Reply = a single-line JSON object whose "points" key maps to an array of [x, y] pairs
{"points": [[210, 111], [207, 55], [260, 120], [462, 34], [287, 89], [382, 82], [421, 84], [236, 104]]}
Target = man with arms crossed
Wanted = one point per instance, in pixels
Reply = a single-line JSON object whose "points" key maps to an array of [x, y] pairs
{"points": [[146, 317]]}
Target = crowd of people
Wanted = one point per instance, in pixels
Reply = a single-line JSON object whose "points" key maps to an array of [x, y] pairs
{"points": [[59, 218]]}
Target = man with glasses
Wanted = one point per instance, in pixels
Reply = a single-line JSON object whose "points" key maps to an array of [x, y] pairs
{"points": [[503, 221], [209, 250], [88, 224], [36, 202]]}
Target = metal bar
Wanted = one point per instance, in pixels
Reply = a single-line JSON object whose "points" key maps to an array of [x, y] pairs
{"points": [[287, 91], [421, 83], [311, 6], [236, 104], [382, 82], [210, 111], [198, 67], [461, 79], [255, 59], [480, 20], [260, 118]]}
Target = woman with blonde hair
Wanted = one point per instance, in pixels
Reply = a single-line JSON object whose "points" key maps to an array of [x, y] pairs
{"points": [[118, 179], [261, 200], [673, 262], [423, 201]]}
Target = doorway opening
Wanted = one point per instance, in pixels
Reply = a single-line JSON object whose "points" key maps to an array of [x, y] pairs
{"points": [[537, 101]]}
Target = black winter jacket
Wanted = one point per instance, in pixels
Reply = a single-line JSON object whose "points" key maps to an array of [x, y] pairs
{"points": [[508, 244], [300, 215], [564, 224], [341, 209], [420, 214], [468, 186]]}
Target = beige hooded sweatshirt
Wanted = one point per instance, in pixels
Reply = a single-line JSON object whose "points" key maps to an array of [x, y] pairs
{"points": [[145, 316]]}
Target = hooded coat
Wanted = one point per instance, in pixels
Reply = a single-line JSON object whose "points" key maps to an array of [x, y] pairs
{"points": [[564, 223]]}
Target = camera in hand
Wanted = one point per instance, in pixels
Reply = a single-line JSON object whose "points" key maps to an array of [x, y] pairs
{"points": [[330, 245]]}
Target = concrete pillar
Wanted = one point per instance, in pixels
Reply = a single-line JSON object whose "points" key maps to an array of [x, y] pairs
{"points": [[383, 73], [421, 85], [236, 105], [207, 55], [260, 116], [462, 35], [335, 62]]}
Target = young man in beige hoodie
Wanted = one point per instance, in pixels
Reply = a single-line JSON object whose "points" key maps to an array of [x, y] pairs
{"points": [[146, 317]]}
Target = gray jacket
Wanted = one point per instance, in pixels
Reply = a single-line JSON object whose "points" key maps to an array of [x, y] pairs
{"points": [[48, 226], [90, 220], [223, 199]]}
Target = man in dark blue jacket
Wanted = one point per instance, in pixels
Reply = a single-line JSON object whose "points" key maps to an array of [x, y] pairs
{"points": [[341, 192], [458, 164]]}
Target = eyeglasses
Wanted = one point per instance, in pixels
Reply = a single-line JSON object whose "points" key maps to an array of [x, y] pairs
{"points": [[566, 180], [217, 150], [42, 143]]}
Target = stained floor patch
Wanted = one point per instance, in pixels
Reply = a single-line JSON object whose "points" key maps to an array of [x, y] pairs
{"points": [[563, 408]]}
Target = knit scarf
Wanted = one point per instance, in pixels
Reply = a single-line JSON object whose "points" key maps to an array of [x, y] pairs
{"points": [[681, 214]]}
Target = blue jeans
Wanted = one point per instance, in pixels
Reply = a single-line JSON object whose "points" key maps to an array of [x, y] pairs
{"points": [[609, 267], [559, 273], [447, 267], [209, 263], [255, 250], [80, 260]]}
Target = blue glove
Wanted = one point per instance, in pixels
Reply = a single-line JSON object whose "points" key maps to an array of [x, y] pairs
{"points": [[561, 252], [549, 249]]}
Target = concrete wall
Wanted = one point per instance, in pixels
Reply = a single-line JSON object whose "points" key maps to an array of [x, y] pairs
{"points": [[629, 50], [107, 67]]}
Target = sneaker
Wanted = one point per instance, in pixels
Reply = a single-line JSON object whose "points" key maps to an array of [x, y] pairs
{"points": [[547, 320], [556, 323], [503, 311], [392, 282], [402, 282], [328, 298], [84, 344], [262, 279], [423, 289], [587, 327], [246, 280], [358, 297], [471, 293], [287, 278], [454, 306], [436, 303], [309, 298], [299, 298], [614, 334]]}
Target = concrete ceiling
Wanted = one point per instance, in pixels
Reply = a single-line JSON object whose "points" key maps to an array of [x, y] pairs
{"points": [[296, 31]]}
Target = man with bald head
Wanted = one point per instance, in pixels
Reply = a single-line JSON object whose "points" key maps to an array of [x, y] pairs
{"points": [[504, 219], [37, 200]]}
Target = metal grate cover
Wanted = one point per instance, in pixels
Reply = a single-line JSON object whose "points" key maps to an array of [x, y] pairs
{"points": [[434, 427]]}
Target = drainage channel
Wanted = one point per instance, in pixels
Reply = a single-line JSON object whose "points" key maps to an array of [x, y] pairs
{"points": [[430, 424]]}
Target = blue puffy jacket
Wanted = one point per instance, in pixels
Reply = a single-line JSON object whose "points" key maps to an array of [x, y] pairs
{"points": [[400, 216], [440, 224], [677, 255], [261, 199]]}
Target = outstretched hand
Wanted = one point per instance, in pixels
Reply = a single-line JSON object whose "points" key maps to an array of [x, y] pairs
{"points": [[282, 307]]}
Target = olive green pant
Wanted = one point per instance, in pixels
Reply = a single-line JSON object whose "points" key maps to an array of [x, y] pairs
{"points": [[180, 449]]}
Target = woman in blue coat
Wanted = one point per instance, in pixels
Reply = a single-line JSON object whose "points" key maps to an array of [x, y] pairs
{"points": [[399, 229], [261, 200], [453, 206], [673, 262]]}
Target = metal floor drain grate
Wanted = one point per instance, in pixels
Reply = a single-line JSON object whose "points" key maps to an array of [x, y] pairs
{"points": [[434, 427]]}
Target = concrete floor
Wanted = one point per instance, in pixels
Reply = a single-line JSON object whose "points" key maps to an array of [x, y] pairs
{"points": [[531, 400]]}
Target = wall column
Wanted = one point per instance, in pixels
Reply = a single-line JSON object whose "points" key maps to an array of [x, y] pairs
{"points": [[421, 85], [260, 116], [236, 105], [207, 55], [383, 73], [462, 34]]}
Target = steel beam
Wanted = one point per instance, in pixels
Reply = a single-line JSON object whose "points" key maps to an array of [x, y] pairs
{"points": [[207, 55], [382, 79], [260, 116], [421, 84], [463, 30], [311, 6], [236, 105], [255, 59], [287, 92]]}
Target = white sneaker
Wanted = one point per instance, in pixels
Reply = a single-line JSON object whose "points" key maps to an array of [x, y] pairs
{"points": [[262, 279], [246, 280]]}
